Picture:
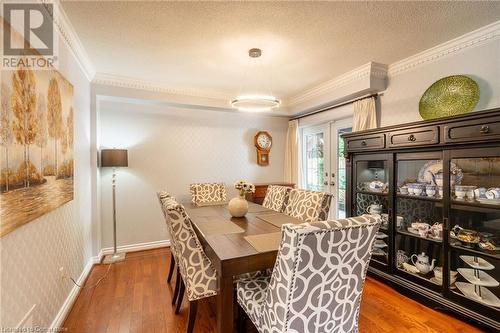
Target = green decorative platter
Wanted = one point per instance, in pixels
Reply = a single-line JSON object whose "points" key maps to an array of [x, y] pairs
{"points": [[449, 96]]}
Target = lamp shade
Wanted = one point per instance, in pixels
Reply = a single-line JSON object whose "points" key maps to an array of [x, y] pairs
{"points": [[114, 158]]}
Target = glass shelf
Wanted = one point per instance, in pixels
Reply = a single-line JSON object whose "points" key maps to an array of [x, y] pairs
{"points": [[409, 234], [418, 197]]}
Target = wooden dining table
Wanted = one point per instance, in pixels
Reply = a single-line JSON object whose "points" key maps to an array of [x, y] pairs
{"points": [[230, 252]]}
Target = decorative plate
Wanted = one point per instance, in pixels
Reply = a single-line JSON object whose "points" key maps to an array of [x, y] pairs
{"points": [[435, 167], [449, 96]]}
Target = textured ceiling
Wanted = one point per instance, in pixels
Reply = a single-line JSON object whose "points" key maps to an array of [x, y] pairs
{"points": [[203, 45]]}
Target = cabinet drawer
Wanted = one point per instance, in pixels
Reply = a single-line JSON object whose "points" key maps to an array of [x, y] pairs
{"points": [[414, 137], [366, 143], [474, 130]]}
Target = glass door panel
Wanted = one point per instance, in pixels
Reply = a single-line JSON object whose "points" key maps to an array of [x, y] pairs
{"points": [[315, 160], [475, 229], [419, 219], [371, 179], [338, 181]]}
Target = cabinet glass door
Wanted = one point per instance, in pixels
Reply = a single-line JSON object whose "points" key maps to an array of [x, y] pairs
{"points": [[419, 218], [371, 196], [474, 189]]}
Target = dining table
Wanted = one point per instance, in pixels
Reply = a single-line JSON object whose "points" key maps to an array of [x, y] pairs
{"points": [[236, 245]]}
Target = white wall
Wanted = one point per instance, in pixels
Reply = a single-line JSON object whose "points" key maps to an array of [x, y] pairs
{"points": [[32, 254], [399, 104], [169, 148]]}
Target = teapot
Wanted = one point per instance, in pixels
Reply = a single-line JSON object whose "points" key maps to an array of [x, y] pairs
{"points": [[374, 209], [422, 263]]}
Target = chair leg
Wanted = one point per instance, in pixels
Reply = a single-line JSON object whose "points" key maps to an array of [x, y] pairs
{"points": [[177, 286], [241, 325], [193, 308], [180, 297], [171, 269]]}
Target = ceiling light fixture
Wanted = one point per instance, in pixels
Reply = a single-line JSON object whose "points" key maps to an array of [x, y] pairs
{"points": [[255, 102]]}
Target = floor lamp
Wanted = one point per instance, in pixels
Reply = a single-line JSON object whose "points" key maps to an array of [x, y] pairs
{"points": [[114, 158]]}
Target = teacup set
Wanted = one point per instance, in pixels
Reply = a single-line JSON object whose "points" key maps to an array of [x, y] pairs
{"points": [[425, 230], [420, 189], [463, 192]]}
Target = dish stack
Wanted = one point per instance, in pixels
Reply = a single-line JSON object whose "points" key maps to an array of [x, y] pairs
{"points": [[380, 245], [475, 289]]}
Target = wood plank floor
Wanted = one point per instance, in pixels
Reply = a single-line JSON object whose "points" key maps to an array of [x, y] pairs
{"points": [[135, 297]]}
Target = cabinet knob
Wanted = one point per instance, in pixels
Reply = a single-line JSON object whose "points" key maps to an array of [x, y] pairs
{"points": [[484, 129], [412, 138], [363, 143]]}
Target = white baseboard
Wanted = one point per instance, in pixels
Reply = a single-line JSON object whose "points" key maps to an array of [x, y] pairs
{"points": [[135, 247], [70, 300]]}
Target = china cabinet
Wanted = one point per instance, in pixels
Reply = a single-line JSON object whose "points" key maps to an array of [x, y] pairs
{"points": [[436, 187]]}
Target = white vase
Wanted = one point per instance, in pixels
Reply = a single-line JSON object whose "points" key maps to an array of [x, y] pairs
{"points": [[238, 206]]}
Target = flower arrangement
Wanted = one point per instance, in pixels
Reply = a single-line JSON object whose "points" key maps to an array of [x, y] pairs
{"points": [[244, 187]]}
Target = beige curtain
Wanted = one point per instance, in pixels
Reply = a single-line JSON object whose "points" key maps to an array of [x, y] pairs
{"points": [[364, 116], [291, 171]]}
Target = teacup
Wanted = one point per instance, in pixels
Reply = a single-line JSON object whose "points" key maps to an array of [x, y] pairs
{"points": [[423, 232], [411, 189], [430, 190], [460, 192], [493, 193], [403, 190], [480, 193]]}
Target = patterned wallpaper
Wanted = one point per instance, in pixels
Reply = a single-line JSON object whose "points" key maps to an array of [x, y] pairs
{"points": [[30, 256], [171, 148]]}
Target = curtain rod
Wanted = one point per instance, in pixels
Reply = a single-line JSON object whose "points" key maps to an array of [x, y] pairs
{"points": [[334, 107]]}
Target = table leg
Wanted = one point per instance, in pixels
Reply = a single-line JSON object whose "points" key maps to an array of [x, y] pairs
{"points": [[225, 315]]}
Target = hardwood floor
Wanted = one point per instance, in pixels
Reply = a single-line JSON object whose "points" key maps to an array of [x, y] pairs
{"points": [[135, 297]]}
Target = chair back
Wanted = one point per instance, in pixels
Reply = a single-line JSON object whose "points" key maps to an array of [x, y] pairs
{"points": [[198, 273], [166, 200], [276, 197], [318, 277], [308, 206], [203, 194]]}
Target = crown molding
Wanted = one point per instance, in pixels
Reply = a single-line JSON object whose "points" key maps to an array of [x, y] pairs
{"points": [[472, 39], [371, 69], [133, 83], [68, 34]]}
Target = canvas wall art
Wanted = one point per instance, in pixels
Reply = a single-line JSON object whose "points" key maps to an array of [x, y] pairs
{"points": [[36, 137]]}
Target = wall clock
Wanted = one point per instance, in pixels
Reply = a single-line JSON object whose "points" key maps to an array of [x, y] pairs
{"points": [[263, 142]]}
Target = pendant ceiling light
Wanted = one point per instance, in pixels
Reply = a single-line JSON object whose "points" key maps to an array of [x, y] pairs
{"points": [[255, 101]]}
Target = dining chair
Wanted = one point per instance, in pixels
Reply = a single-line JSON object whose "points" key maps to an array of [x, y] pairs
{"points": [[317, 280], [276, 197], [167, 200], [198, 276], [308, 206], [204, 194]]}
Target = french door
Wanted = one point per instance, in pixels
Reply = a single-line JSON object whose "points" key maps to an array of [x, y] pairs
{"points": [[323, 163]]}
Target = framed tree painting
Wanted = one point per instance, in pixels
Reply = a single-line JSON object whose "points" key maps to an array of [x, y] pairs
{"points": [[36, 137]]}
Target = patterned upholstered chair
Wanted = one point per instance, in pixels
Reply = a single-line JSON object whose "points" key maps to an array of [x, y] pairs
{"points": [[204, 194], [276, 197], [308, 206], [199, 277], [317, 281], [167, 200]]}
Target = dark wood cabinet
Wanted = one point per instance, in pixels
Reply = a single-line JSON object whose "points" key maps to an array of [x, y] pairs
{"points": [[427, 183], [261, 189]]}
